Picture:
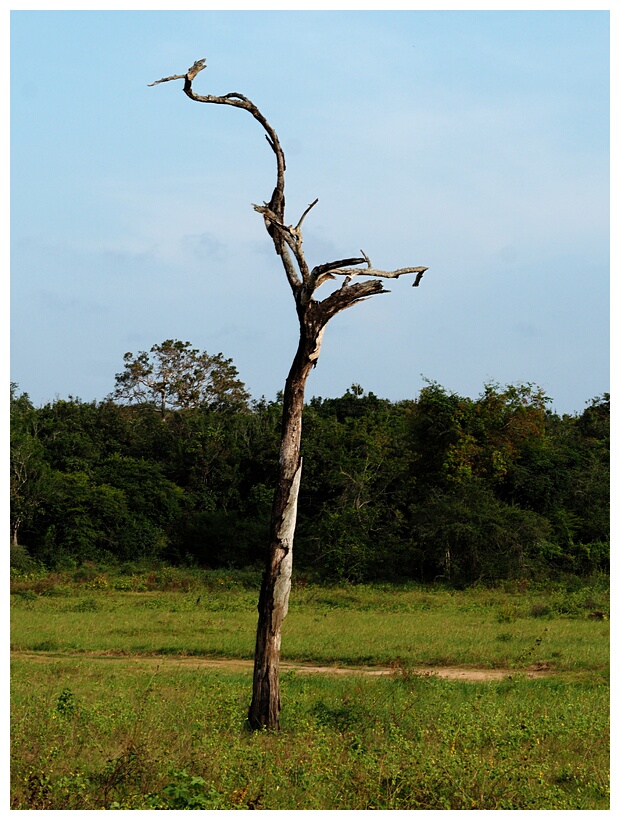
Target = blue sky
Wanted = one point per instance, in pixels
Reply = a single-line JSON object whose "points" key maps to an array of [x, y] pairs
{"points": [[474, 143]]}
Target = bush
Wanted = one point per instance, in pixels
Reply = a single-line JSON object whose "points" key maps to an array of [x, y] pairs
{"points": [[21, 559]]}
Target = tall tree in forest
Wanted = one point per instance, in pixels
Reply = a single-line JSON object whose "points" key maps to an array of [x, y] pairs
{"points": [[313, 316], [176, 376], [26, 462]]}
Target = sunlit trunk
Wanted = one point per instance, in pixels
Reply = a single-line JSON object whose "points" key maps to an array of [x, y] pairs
{"points": [[276, 585]]}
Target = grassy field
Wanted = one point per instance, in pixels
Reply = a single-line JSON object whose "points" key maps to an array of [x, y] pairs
{"points": [[109, 710]]}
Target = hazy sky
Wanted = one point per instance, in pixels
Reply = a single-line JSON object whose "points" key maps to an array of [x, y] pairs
{"points": [[474, 143]]}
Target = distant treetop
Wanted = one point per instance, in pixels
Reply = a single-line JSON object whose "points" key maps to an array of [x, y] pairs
{"points": [[175, 376]]}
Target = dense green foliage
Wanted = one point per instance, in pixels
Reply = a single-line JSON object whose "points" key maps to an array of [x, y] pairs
{"points": [[442, 486], [138, 528], [176, 375]]}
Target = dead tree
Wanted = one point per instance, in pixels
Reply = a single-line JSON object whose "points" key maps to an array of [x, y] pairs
{"points": [[313, 316]]}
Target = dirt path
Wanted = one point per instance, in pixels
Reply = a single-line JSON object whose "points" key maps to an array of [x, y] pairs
{"points": [[235, 665]]}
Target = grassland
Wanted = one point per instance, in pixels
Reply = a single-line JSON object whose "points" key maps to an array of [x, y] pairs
{"points": [[109, 712]]}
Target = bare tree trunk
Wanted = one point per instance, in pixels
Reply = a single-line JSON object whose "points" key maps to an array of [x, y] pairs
{"points": [[313, 316], [276, 585]]}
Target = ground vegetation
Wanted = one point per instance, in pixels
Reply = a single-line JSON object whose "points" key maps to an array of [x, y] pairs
{"points": [[129, 691]]}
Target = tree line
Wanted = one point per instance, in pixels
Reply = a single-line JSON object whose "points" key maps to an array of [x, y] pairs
{"points": [[437, 487]]}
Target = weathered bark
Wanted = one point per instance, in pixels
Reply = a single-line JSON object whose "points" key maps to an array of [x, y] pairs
{"points": [[276, 586], [313, 317]]}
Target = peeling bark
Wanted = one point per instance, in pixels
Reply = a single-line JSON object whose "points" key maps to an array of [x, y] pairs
{"points": [[313, 317]]}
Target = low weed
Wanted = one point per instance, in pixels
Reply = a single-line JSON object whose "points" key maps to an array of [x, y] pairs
{"points": [[95, 727], [116, 736]]}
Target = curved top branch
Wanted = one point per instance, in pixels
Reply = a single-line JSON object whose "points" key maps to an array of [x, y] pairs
{"points": [[239, 101], [288, 239]]}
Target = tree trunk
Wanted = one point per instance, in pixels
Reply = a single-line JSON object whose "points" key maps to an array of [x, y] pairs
{"points": [[264, 709]]}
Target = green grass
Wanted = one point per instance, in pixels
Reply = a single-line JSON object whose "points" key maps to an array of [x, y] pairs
{"points": [[92, 734], [349, 626], [92, 730]]}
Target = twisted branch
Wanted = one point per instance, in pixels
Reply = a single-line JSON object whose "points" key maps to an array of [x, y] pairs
{"points": [[288, 239]]}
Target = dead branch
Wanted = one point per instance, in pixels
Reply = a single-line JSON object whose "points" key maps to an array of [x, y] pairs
{"points": [[344, 298], [167, 79], [383, 274], [307, 211], [189, 74], [335, 266]]}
